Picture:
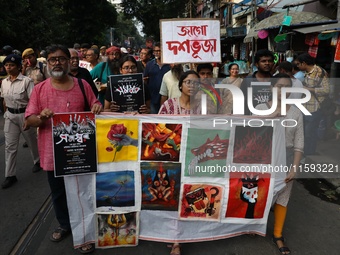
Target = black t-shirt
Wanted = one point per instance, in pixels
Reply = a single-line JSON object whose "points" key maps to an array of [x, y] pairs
{"points": [[246, 83], [84, 74]]}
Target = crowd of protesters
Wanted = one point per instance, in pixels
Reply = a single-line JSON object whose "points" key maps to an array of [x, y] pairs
{"points": [[31, 77]]}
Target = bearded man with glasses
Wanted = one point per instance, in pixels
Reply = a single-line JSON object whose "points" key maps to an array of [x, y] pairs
{"points": [[61, 94]]}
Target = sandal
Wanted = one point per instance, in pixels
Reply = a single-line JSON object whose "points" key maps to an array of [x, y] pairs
{"points": [[284, 250], [175, 250], [60, 233], [87, 248]]}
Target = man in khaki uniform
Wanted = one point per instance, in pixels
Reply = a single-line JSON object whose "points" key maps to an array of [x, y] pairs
{"points": [[32, 68]]}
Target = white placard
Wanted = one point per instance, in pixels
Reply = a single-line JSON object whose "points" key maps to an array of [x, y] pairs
{"points": [[190, 40]]}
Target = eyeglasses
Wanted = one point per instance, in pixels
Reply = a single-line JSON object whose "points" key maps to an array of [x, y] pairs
{"points": [[88, 55], [127, 68], [74, 59], [52, 61], [191, 83]]}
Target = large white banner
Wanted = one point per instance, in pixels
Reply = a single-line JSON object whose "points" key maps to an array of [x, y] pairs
{"points": [[188, 179], [190, 40]]}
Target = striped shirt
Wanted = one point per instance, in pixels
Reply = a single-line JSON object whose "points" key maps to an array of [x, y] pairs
{"points": [[317, 78]]}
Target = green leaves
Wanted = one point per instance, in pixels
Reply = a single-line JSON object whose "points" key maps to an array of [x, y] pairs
{"points": [[38, 23], [149, 12]]}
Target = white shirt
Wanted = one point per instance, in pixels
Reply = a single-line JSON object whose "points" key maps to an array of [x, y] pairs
{"points": [[169, 86], [296, 83]]}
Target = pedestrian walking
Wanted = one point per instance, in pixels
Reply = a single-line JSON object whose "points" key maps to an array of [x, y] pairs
{"points": [[16, 90], [59, 94]]}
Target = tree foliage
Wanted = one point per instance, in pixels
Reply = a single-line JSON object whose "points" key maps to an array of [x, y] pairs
{"points": [[37, 23], [125, 28], [149, 12]]}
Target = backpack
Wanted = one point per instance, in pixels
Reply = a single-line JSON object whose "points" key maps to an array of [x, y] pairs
{"points": [[41, 68]]}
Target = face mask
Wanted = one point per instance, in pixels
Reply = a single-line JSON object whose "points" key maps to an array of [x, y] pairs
{"points": [[289, 59]]}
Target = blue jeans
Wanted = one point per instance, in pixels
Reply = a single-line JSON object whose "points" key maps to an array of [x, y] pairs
{"points": [[154, 108], [310, 126], [58, 192]]}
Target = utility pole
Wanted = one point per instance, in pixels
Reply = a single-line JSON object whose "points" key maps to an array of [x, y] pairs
{"points": [[252, 24], [111, 35]]}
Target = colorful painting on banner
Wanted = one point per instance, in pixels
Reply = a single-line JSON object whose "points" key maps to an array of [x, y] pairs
{"points": [[160, 185], [253, 145], [201, 202], [117, 230], [74, 143], [115, 189], [248, 194], [206, 152], [117, 140], [161, 141]]}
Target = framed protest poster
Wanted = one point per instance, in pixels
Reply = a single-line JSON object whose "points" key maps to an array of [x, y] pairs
{"points": [[262, 92], [206, 152], [74, 143], [115, 190], [201, 202], [127, 91], [117, 140], [253, 145], [161, 141], [190, 40], [160, 185], [117, 230], [248, 195]]}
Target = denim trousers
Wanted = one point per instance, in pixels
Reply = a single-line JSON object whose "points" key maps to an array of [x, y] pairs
{"points": [[154, 108], [58, 193], [310, 127]]}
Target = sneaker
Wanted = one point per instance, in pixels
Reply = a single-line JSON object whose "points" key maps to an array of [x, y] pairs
{"points": [[36, 168], [9, 181]]}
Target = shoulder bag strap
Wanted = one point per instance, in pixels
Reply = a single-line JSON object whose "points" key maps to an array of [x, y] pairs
{"points": [[41, 68], [81, 85]]}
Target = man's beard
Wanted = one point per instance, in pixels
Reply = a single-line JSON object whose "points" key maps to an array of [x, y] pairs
{"points": [[57, 74], [177, 71], [114, 66]]}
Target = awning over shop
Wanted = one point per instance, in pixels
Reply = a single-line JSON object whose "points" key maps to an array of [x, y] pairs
{"points": [[298, 19], [252, 33], [319, 28]]}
